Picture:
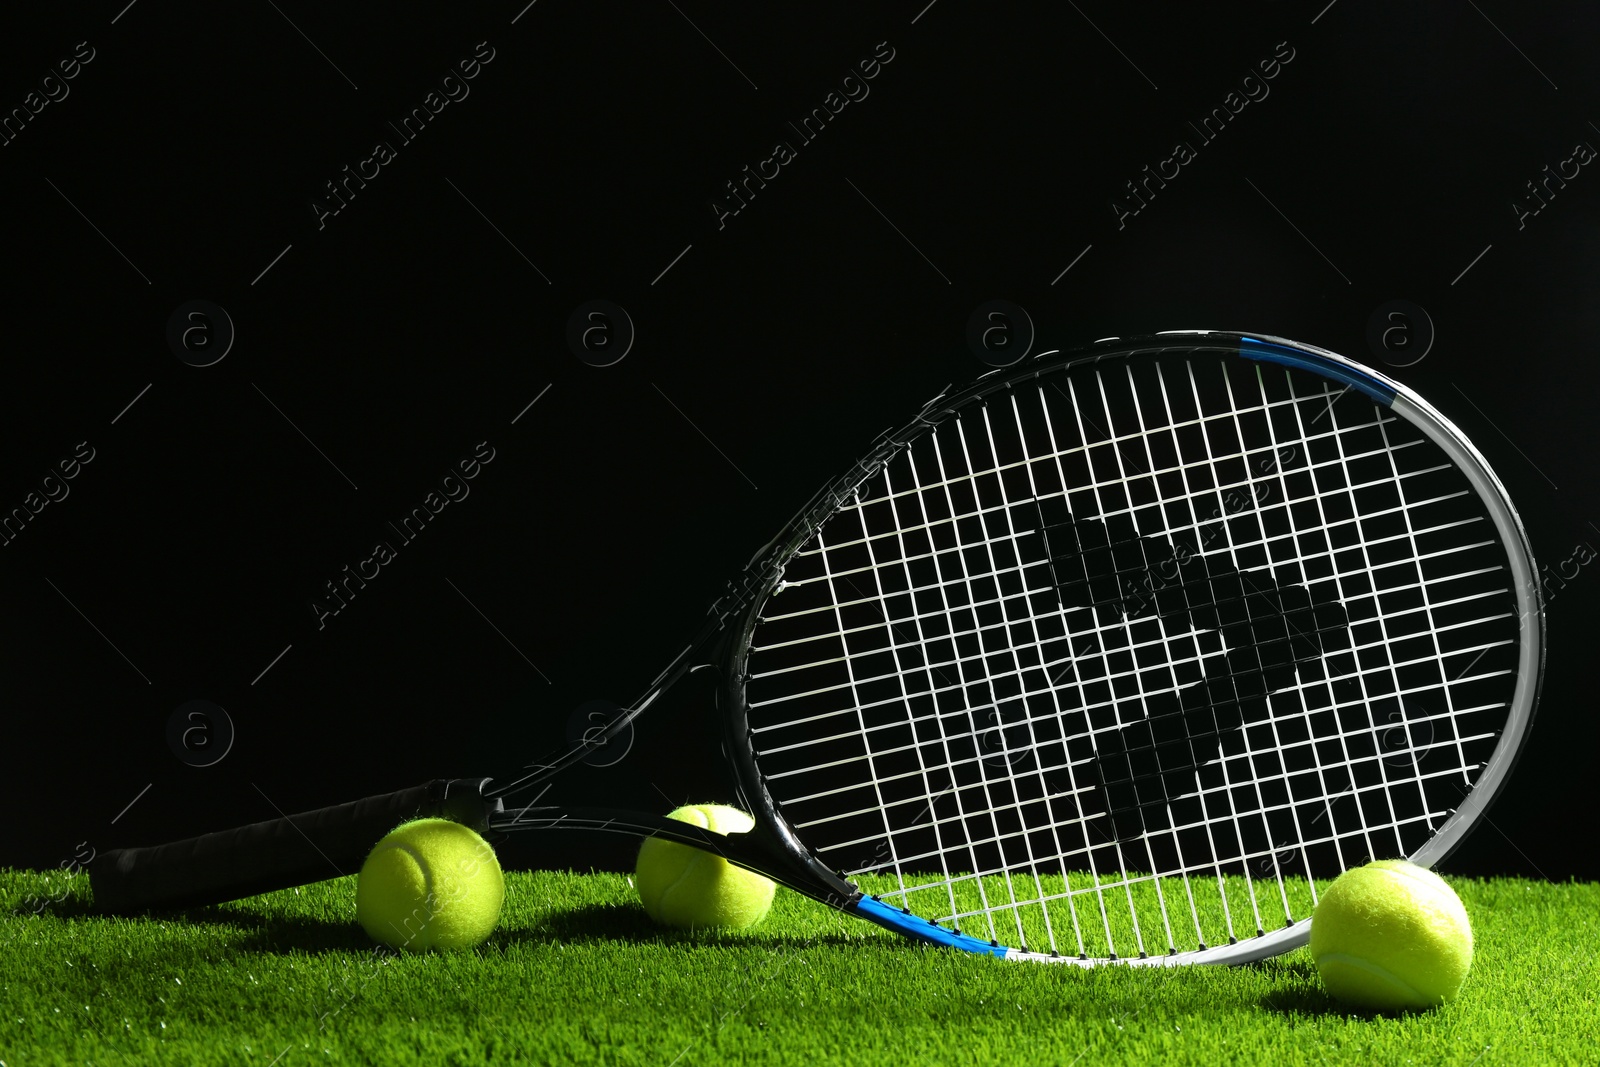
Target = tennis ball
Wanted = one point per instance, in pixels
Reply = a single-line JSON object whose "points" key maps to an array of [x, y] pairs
{"points": [[1391, 935], [430, 883], [680, 885]]}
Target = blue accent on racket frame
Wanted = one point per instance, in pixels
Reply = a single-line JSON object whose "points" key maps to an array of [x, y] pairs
{"points": [[1251, 348], [922, 929]]}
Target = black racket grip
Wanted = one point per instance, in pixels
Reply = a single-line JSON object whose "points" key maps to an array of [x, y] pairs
{"points": [[276, 854]]}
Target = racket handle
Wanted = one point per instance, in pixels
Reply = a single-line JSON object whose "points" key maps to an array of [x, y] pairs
{"points": [[276, 854]]}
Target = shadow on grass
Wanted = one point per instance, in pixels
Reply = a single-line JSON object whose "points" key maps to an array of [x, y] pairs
{"points": [[281, 934], [274, 932], [617, 923], [225, 930], [73, 905], [260, 933], [1300, 992]]}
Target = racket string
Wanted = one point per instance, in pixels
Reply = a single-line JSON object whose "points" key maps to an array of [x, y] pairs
{"points": [[961, 718], [1180, 659], [955, 518]]}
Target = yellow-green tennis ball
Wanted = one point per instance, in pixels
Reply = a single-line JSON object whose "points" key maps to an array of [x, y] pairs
{"points": [[430, 883], [1391, 935], [684, 886]]}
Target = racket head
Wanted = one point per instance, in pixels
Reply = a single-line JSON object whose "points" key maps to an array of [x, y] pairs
{"points": [[979, 665]]}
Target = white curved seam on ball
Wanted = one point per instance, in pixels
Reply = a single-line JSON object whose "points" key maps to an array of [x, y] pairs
{"points": [[427, 887], [688, 868], [1375, 971], [695, 859]]}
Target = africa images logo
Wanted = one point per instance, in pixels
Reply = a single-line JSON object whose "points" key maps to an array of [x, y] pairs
{"points": [[852, 88], [452, 88], [451, 488], [1251, 89]]}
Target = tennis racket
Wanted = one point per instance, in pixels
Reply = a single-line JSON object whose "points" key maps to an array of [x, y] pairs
{"points": [[1108, 656]]}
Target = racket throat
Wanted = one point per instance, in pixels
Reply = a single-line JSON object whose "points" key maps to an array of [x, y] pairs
{"points": [[755, 851]]}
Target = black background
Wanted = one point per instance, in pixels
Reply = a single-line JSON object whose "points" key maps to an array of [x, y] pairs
{"points": [[377, 349]]}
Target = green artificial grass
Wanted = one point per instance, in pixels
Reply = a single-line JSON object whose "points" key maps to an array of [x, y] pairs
{"points": [[577, 973]]}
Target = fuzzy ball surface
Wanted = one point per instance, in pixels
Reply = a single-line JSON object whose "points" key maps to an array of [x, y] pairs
{"points": [[685, 887], [430, 884], [1391, 936]]}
